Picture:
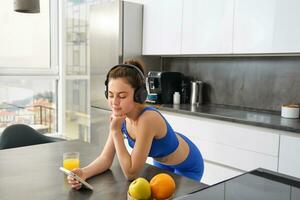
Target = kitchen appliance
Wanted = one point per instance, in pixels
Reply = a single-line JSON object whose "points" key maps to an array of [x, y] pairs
{"points": [[164, 84], [115, 33], [255, 185], [196, 92]]}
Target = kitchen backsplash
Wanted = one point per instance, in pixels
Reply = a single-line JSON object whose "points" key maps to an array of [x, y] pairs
{"points": [[253, 82]]}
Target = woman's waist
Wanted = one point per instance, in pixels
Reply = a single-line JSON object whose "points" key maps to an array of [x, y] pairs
{"points": [[178, 155]]}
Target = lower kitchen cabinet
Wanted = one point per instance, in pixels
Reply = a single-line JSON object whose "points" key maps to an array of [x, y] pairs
{"points": [[215, 173], [295, 193], [246, 137], [235, 157], [228, 145], [289, 162]]}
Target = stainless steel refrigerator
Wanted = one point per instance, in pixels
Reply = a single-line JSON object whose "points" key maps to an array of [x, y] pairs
{"points": [[115, 35]]}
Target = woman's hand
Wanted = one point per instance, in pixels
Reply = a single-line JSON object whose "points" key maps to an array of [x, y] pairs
{"points": [[73, 182], [116, 122]]}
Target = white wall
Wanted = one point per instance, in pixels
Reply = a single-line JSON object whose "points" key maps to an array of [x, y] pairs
{"points": [[24, 38]]}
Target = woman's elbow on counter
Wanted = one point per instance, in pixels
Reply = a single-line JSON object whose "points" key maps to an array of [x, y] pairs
{"points": [[131, 176]]}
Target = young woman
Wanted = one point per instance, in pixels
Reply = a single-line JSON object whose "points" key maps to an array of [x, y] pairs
{"points": [[147, 131]]}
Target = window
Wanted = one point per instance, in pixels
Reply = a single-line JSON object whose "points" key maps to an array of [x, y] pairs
{"points": [[29, 66], [29, 100], [77, 121]]}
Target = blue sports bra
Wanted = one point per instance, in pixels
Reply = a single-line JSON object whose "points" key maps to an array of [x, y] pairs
{"points": [[160, 147]]}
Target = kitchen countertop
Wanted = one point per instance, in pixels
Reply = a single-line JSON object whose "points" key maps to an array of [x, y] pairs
{"points": [[257, 184], [32, 172], [258, 118]]}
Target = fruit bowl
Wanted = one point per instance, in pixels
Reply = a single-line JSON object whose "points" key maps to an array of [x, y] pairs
{"points": [[132, 198], [129, 197]]}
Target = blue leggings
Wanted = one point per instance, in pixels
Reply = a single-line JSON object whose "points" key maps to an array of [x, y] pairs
{"points": [[192, 167]]}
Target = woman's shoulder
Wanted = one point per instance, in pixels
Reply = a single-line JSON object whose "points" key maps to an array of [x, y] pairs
{"points": [[150, 112], [150, 116]]}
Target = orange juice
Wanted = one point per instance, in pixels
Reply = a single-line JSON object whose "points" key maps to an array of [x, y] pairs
{"points": [[71, 160], [71, 163]]}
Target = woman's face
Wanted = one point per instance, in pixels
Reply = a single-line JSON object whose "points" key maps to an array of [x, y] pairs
{"points": [[120, 96]]}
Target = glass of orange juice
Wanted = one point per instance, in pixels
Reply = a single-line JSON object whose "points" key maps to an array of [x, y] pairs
{"points": [[71, 160]]}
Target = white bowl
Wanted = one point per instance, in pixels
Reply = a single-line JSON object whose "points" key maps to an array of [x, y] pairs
{"points": [[290, 111]]}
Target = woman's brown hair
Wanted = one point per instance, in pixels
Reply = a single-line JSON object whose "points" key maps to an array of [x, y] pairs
{"points": [[130, 74]]}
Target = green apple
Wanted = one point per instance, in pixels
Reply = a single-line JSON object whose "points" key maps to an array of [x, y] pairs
{"points": [[140, 189]]}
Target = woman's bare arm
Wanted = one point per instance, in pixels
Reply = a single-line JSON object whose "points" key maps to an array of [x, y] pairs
{"points": [[134, 163], [103, 162]]}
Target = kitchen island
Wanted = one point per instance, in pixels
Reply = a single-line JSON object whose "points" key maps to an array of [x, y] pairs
{"points": [[32, 172], [255, 185]]}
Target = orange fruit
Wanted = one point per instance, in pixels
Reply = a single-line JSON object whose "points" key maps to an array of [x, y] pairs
{"points": [[162, 186]]}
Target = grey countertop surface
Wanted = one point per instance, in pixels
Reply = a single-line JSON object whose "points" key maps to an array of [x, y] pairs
{"points": [[239, 115], [32, 172]]}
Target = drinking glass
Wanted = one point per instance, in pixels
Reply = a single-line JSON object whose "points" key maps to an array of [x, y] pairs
{"points": [[71, 160]]}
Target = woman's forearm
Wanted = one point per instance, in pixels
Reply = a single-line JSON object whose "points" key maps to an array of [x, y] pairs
{"points": [[103, 161], [123, 156], [101, 164]]}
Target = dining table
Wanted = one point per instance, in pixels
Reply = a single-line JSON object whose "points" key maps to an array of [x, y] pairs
{"points": [[32, 172]]}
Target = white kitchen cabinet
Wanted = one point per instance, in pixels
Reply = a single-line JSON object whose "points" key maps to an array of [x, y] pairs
{"points": [[250, 138], [228, 145], [188, 27], [253, 26], [214, 173], [162, 27], [287, 29], [269, 26], [207, 26], [235, 157], [289, 162]]}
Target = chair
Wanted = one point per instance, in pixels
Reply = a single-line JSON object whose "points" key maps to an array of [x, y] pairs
{"points": [[19, 135]]}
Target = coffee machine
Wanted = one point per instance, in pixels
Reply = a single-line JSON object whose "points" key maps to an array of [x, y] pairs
{"points": [[163, 85]]}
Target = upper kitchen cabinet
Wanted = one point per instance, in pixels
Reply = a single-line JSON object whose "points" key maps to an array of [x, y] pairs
{"points": [[269, 26], [188, 27], [207, 26], [162, 27], [287, 29]]}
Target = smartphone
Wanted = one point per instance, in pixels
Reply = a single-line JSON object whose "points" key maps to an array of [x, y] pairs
{"points": [[68, 172]]}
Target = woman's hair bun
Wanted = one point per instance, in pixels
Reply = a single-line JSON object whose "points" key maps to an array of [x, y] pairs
{"points": [[136, 63]]}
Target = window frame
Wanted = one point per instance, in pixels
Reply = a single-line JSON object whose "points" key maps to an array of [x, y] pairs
{"points": [[55, 71]]}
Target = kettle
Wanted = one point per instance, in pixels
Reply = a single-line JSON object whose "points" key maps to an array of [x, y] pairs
{"points": [[196, 92]]}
